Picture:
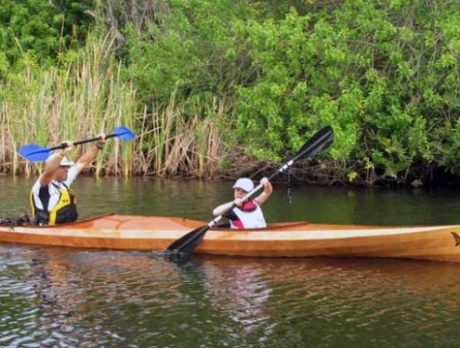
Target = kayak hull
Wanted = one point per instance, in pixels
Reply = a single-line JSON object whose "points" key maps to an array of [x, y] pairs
{"points": [[297, 239]]}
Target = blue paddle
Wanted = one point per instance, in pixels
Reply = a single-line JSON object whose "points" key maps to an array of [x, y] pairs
{"points": [[36, 153]]}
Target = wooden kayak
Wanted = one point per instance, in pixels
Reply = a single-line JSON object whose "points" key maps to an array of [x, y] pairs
{"points": [[294, 239]]}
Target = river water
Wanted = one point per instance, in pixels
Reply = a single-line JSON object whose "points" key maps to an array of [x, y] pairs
{"points": [[62, 297]]}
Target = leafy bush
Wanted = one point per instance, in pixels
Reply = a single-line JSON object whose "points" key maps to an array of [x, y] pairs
{"points": [[382, 73], [43, 28]]}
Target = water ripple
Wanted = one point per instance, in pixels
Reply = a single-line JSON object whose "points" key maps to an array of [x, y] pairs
{"points": [[54, 297]]}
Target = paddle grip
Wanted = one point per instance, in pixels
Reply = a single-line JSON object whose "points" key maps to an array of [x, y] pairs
{"points": [[260, 186], [247, 196], [321, 140], [64, 145], [93, 139], [216, 220]]}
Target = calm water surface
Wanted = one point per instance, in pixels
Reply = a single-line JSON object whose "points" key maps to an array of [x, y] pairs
{"points": [[59, 297]]}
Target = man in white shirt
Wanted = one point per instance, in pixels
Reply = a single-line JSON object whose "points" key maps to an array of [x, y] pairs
{"points": [[52, 200]]}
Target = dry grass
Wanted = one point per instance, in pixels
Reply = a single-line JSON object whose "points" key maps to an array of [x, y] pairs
{"points": [[87, 97], [170, 145]]}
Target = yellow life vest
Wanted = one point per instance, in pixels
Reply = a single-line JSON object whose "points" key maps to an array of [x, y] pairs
{"points": [[64, 211]]}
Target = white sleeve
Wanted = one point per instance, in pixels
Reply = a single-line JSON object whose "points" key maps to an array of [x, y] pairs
{"points": [[73, 173]]}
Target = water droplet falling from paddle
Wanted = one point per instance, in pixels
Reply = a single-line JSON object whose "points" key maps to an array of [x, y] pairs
{"points": [[289, 193]]}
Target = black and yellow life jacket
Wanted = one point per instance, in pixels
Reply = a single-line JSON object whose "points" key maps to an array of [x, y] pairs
{"points": [[65, 209]]}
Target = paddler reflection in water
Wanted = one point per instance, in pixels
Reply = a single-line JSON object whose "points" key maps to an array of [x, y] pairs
{"points": [[246, 214], [52, 200]]}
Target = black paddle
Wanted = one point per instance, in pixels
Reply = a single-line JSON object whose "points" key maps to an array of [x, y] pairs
{"points": [[321, 140]]}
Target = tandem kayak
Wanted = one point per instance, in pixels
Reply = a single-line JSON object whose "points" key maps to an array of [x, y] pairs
{"points": [[292, 239]]}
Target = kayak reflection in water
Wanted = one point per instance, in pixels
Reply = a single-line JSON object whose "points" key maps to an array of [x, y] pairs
{"points": [[246, 214], [52, 200]]}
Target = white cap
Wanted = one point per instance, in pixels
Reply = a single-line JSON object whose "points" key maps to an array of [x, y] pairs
{"points": [[65, 161], [244, 184]]}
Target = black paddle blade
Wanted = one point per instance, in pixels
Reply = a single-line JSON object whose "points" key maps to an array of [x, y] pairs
{"points": [[186, 244], [321, 140]]}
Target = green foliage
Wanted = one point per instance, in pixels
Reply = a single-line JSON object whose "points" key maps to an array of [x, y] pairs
{"points": [[191, 53], [383, 73], [42, 28]]}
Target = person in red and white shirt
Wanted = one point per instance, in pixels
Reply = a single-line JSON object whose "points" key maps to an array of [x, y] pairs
{"points": [[246, 214]]}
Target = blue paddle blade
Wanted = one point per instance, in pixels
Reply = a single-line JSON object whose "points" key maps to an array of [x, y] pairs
{"points": [[124, 133], [34, 152]]}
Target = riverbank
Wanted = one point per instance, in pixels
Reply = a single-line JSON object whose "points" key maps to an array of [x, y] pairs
{"points": [[206, 87], [313, 172]]}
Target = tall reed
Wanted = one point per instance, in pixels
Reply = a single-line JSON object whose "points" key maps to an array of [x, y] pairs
{"points": [[171, 144], [87, 96]]}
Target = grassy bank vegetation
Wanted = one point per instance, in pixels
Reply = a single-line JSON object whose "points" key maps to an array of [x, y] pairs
{"points": [[212, 85]]}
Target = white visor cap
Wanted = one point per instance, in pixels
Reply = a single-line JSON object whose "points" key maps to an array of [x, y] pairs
{"points": [[66, 162], [244, 184]]}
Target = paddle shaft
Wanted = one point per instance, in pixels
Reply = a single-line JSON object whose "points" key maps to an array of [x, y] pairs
{"points": [[64, 145]]}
